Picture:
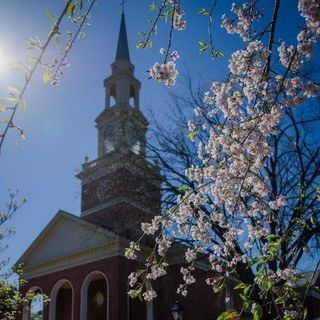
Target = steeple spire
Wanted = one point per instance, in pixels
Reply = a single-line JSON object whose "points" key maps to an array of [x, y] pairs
{"points": [[122, 88], [123, 48]]}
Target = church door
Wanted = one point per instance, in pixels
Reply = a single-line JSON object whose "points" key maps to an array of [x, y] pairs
{"points": [[64, 303]]}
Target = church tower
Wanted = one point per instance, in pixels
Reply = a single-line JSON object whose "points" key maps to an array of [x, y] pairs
{"points": [[120, 189], [79, 262]]}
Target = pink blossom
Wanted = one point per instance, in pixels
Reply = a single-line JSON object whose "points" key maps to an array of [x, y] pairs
{"points": [[174, 55], [149, 295], [310, 10], [179, 23], [166, 73]]}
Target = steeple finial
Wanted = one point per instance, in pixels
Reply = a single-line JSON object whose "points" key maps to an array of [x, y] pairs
{"points": [[123, 48], [122, 5]]}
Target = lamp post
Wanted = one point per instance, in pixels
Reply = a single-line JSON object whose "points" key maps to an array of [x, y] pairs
{"points": [[177, 311]]}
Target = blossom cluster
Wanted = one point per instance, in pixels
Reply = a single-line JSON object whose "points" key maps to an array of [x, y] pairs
{"points": [[310, 10], [57, 66], [229, 215], [178, 22], [165, 72], [242, 24]]}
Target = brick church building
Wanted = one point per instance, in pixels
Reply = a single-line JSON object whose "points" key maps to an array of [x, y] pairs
{"points": [[78, 261]]}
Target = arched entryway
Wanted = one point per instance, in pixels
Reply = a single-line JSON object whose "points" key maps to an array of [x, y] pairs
{"points": [[94, 297], [61, 301], [35, 309], [139, 310]]}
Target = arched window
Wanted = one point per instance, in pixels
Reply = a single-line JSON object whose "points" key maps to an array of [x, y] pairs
{"points": [[132, 97], [112, 101], [131, 102], [36, 307], [61, 301], [139, 310], [113, 96], [94, 297]]}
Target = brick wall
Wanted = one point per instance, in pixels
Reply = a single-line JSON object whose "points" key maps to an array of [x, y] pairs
{"points": [[201, 303]]}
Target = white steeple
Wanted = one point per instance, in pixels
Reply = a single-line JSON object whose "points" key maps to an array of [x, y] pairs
{"points": [[122, 88]]}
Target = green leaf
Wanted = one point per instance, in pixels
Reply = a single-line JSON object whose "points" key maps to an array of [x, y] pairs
{"points": [[218, 289], [153, 6], [257, 314], [46, 76], [215, 54], [203, 46], [72, 9], [184, 188], [203, 11], [14, 90], [33, 43], [241, 286], [138, 293], [2, 105], [223, 316], [305, 314], [271, 236], [246, 290], [56, 39], [31, 59], [23, 105], [81, 35], [50, 16], [140, 44], [229, 315], [12, 98], [144, 44], [191, 135]]}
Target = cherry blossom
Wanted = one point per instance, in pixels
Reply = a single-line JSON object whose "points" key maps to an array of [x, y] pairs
{"points": [[165, 72], [149, 295], [229, 215]]}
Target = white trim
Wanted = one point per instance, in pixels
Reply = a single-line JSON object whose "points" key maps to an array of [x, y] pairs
{"points": [[84, 293], [148, 305], [60, 215], [149, 310], [74, 260], [53, 298]]}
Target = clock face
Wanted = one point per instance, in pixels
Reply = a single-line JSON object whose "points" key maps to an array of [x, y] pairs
{"points": [[109, 140], [108, 146], [101, 192]]}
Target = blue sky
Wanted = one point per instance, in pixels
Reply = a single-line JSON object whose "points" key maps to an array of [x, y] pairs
{"points": [[59, 121]]}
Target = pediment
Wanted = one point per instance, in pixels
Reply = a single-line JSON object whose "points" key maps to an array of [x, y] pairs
{"points": [[65, 235]]}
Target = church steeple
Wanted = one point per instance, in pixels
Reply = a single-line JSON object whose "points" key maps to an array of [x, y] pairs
{"points": [[122, 48], [120, 189], [122, 88], [121, 126]]}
